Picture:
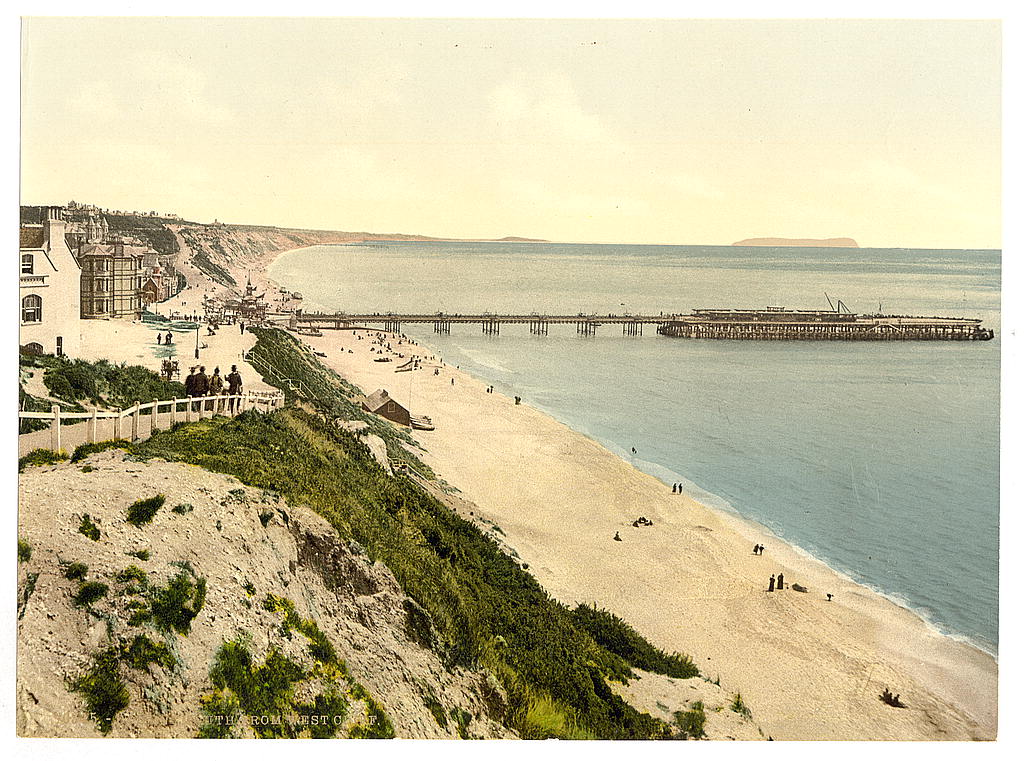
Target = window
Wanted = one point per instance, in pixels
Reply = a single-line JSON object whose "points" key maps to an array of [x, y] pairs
{"points": [[27, 264], [60, 346], [32, 309]]}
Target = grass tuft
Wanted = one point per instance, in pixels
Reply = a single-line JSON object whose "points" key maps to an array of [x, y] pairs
{"points": [[89, 592], [24, 551], [88, 528], [41, 457], [142, 511], [103, 689]]}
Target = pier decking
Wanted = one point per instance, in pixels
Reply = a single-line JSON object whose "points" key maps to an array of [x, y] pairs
{"points": [[772, 324]]}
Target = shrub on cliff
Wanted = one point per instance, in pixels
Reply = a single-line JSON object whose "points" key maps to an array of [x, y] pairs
{"points": [[141, 512]]}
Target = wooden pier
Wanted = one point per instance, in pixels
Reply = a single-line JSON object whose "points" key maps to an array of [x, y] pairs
{"points": [[771, 324]]}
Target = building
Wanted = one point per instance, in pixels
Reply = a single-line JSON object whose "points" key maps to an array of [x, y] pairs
{"points": [[112, 275], [50, 288], [381, 404], [252, 307]]}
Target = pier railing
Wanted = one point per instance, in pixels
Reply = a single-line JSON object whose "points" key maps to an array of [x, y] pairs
{"points": [[138, 421]]}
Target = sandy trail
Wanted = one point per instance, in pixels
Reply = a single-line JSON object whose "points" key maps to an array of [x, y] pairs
{"points": [[809, 668]]}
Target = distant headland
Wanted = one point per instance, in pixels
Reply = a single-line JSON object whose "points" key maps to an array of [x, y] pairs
{"points": [[815, 242]]}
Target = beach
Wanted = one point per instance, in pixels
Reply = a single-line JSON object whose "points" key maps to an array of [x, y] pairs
{"points": [[808, 667]]}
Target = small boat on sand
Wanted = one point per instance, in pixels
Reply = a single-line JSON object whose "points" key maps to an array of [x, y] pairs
{"points": [[382, 359], [421, 423]]}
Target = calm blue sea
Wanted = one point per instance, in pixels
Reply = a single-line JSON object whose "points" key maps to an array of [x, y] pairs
{"points": [[882, 459]]}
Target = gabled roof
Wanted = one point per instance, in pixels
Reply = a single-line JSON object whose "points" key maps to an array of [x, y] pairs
{"points": [[378, 399]]}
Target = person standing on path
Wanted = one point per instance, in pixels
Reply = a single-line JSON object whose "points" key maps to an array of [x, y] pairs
{"points": [[190, 382], [771, 583], [234, 388], [169, 340], [216, 389], [780, 582], [201, 388]]}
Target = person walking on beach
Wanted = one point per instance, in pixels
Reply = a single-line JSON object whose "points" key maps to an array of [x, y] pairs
{"points": [[241, 328], [755, 548], [159, 338], [779, 583], [771, 583], [234, 388], [216, 389]]}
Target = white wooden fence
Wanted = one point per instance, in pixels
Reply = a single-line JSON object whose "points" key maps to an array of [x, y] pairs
{"points": [[148, 415]]}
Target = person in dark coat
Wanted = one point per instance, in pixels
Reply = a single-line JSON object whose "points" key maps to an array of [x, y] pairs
{"points": [[771, 583], [234, 387], [169, 338], [201, 387], [780, 582], [216, 389], [190, 382]]}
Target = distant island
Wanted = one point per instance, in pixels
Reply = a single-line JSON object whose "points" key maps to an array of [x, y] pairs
{"points": [[815, 242]]}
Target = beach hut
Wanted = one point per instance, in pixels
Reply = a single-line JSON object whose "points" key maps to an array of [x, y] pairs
{"points": [[381, 404]]}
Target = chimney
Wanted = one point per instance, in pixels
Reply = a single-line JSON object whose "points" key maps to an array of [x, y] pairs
{"points": [[54, 226]]}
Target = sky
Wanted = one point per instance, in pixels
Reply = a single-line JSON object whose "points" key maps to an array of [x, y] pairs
{"points": [[630, 131]]}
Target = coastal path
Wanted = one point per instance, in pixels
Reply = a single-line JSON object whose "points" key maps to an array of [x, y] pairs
{"points": [[137, 422]]}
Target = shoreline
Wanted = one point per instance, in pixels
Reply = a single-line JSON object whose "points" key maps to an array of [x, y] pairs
{"points": [[956, 679]]}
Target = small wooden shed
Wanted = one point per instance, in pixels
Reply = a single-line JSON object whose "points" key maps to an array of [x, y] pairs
{"points": [[381, 404]]}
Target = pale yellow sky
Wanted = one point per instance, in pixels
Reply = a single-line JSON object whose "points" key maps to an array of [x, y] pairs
{"points": [[681, 132]]}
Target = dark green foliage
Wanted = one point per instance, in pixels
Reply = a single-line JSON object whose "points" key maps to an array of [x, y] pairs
{"points": [[101, 383], [84, 450], [140, 554], [378, 726], [265, 517], [174, 606], [41, 457], [462, 719], [222, 710], [319, 646], [88, 468], [264, 690], [142, 651], [24, 551], [89, 592], [88, 528], [692, 722], [616, 635], [142, 511], [283, 360], [434, 706], [76, 571], [103, 689], [183, 508], [29, 403], [134, 573], [249, 587], [150, 229], [332, 705]]}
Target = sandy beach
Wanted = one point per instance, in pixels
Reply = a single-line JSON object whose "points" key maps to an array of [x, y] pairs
{"points": [[808, 667]]}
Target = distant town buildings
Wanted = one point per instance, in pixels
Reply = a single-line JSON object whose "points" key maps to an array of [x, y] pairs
{"points": [[74, 267], [50, 288]]}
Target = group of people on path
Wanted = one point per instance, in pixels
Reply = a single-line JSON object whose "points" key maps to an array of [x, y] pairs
{"points": [[199, 384], [160, 338], [758, 549]]}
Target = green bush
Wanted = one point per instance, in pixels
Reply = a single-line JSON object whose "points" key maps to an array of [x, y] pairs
{"points": [[24, 551], [174, 606], [88, 528], [140, 554], [142, 511], [134, 573], [103, 689], [84, 450], [41, 457], [76, 571], [89, 592], [692, 722], [612, 632], [263, 690], [142, 651]]}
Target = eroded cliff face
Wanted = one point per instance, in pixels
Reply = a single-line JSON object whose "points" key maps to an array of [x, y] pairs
{"points": [[229, 603]]}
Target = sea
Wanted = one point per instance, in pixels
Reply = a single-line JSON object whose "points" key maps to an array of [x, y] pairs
{"points": [[879, 458]]}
